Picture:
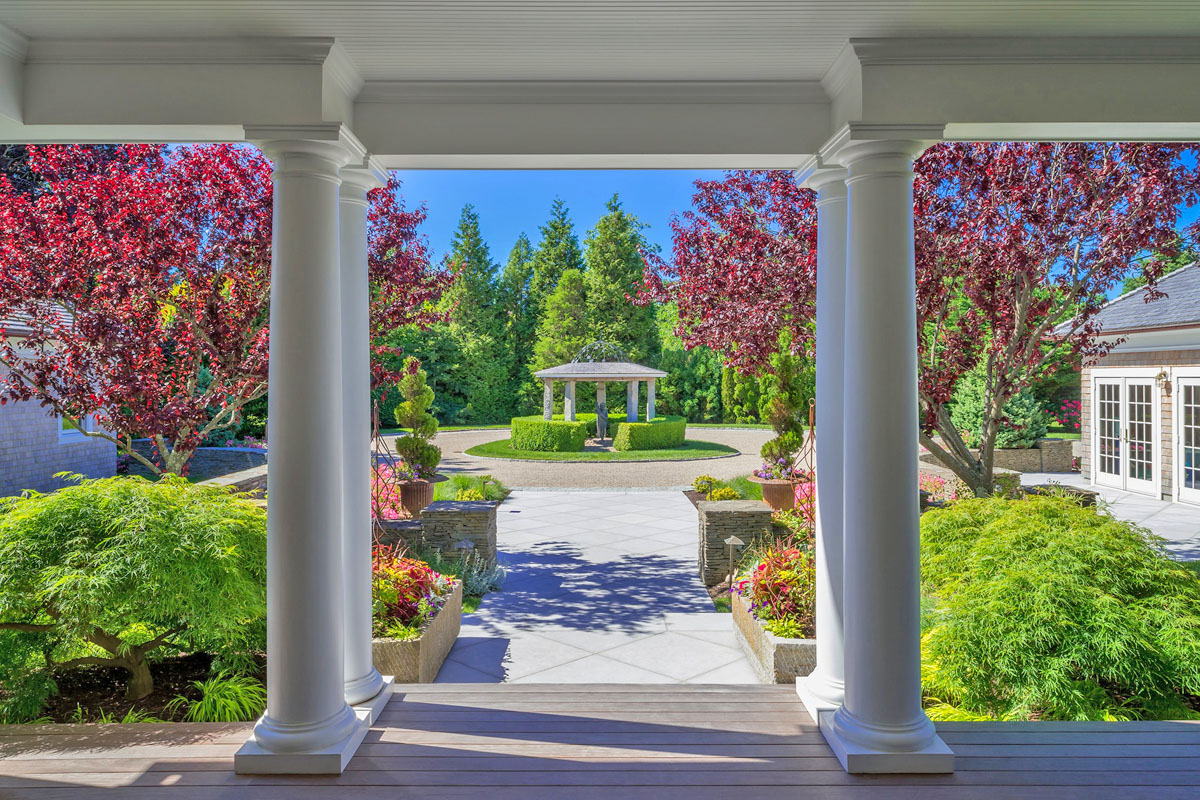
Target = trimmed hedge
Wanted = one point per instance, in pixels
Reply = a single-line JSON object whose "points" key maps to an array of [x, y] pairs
{"points": [[659, 433], [554, 435]]}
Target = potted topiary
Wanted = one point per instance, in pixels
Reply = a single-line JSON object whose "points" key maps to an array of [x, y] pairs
{"points": [[778, 474], [420, 457]]}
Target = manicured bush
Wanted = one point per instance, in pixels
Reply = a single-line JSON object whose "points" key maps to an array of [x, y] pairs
{"points": [[659, 433], [111, 572], [552, 435], [704, 483], [723, 493], [1044, 609], [413, 414]]}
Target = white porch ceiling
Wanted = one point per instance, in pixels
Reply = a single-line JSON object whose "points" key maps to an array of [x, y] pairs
{"points": [[532, 40]]}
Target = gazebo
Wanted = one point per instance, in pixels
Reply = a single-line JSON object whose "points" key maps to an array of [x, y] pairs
{"points": [[603, 363]]}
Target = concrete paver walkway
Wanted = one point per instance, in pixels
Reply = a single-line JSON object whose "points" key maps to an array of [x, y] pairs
{"points": [[602, 588], [1177, 523]]}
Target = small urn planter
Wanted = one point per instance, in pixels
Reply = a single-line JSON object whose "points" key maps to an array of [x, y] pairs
{"points": [[416, 494], [418, 660], [774, 658], [778, 493]]}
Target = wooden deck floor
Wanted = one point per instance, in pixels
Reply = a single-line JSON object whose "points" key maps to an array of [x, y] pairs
{"points": [[517, 742]]}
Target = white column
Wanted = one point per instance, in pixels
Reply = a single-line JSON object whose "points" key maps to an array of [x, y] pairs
{"points": [[363, 683], [547, 399], [631, 401], [650, 399], [308, 726], [824, 688], [881, 726], [569, 402]]}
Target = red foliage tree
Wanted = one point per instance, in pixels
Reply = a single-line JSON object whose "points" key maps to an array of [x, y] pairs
{"points": [[142, 273], [1012, 240], [1016, 240], [743, 270]]}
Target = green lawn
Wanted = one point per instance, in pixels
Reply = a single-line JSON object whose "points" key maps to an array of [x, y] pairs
{"points": [[748, 425], [398, 431], [504, 426], [690, 449]]}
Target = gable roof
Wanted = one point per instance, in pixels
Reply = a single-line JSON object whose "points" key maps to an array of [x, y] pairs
{"points": [[1180, 307], [600, 371]]}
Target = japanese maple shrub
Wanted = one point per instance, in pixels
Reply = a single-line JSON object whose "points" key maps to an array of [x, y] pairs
{"points": [[117, 572], [1041, 608]]}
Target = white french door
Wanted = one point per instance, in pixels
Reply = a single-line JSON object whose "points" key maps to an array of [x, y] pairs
{"points": [[1126, 434], [1187, 412]]}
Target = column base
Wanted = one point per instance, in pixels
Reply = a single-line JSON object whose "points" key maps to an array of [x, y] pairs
{"points": [[253, 759], [369, 710], [818, 695], [932, 756]]}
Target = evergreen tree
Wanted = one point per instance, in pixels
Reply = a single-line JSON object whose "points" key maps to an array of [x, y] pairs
{"points": [[556, 253], [520, 323], [477, 326], [563, 328], [692, 388], [615, 269]]}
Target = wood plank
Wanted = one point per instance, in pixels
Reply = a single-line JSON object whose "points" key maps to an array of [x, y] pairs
{"points": [[1124, 736], [1063, 725]]}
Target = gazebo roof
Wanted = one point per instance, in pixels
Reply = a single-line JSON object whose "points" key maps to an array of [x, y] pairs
{"points": [[600, 371]]}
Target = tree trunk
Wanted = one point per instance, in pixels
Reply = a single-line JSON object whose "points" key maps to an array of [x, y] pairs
{"points": [[141, 682]]}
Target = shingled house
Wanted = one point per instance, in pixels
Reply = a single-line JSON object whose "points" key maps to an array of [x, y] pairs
{"points": [[1141, 402]]}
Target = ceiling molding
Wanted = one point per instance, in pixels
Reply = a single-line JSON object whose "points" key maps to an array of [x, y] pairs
{"points": [[1027, 50], [239, 50], [13, 44], [844, 69], [593, 92]]}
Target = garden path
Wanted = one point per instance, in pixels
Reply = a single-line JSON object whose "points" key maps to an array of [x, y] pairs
{"points": [[602, 588], [1177, 523]]}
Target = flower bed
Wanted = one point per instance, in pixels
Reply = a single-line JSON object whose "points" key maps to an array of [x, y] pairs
{"points": [[774, 612], [415, 616]]}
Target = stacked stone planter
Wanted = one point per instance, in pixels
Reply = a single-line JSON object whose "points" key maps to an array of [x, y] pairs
{"points": [[446, 523], [748, 520], [418, 660], [774, 659]]}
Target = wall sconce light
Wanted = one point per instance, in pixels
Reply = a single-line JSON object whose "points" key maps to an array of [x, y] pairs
{"points": [[1164, 381]]}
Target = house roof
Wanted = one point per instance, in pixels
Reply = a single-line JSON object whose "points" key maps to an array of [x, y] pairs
{"points": [[1179, 308], [17, 323], [600, 371]]}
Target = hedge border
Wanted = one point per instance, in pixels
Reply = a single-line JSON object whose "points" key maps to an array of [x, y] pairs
{"points": [[555, 435], [660, 433]]}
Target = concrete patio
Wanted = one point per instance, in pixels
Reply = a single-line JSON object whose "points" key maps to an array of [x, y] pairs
{"points": [[602, 588], [1177, 523]]}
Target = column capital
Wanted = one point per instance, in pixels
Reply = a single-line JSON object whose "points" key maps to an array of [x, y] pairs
{"points": [[863, 147], [360, 178], [825, 178], [317, 149]]}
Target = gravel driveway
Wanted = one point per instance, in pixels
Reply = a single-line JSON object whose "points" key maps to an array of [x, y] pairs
{"points": [[603, 475]]}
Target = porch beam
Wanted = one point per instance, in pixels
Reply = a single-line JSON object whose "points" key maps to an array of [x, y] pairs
{"points": [[881, 727]]}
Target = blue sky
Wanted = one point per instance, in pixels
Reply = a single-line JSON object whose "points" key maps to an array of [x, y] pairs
{"points": [[512, 201]]}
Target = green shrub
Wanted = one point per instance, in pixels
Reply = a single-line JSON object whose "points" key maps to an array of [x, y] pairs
{"points": [[109, 572], [1042, 608], [553, 435], [1024, 420], [785, 447], [747, 489], [659, 433], [223, 698], [485, 485], [704, 484], [723, 493], [413, 414], [469, 495]]}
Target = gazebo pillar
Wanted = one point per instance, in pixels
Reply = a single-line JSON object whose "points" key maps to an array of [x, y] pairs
{"points": [[547, 399], [650, 399], [569, 402], [601, 410], [631, 401]]}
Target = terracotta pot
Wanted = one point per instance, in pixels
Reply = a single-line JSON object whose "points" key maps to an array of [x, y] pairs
{"points": [[415, 495], [780, 495]]}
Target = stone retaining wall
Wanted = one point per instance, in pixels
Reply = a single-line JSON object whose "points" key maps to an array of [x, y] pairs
{"points": [[749, 520], [1048, 455], [445, 523], [206, 462]]}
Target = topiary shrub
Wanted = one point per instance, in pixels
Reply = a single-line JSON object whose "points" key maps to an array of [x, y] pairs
{"points": [[659, 433], [555, 435], [782, 448], [1044, 609], [111, 572], [413, 414], [723, 493]]}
